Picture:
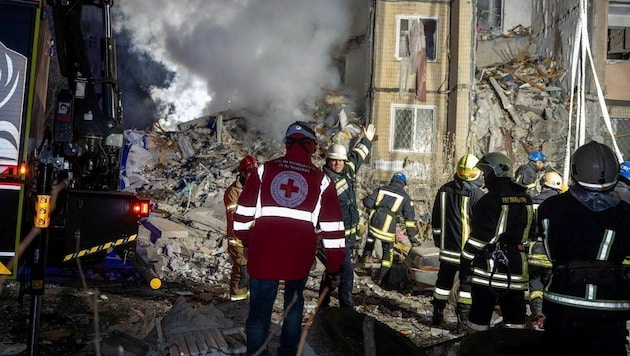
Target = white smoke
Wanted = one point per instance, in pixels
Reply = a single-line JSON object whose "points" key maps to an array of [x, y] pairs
{"points": [[271, 57]]}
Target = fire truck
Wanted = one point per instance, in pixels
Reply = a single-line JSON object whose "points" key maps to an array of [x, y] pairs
{"points": [[75, 144]]}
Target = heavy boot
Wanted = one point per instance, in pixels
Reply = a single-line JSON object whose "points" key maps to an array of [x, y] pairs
{"points": [[383, 274], [535, 306], [438, 314], [537, 318], [462, 310]]}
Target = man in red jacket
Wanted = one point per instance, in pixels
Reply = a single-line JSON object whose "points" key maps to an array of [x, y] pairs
{"points": [[284, 208]]}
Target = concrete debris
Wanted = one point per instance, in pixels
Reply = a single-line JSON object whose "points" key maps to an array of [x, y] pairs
{"points": [[519, 107]]}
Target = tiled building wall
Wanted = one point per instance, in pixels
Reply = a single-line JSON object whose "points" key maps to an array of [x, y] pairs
{"points": [[386, 78]]}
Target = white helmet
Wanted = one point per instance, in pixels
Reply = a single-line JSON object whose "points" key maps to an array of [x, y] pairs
{"points": [[337, 151], [552, 180]]}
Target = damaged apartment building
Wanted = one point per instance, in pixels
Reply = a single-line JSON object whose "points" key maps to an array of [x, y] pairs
{"points": [[450, 77]]}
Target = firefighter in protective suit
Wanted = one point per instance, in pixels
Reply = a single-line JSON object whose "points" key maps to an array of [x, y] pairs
{"points": [[587, 236], [239, 278], [494, 259], [450, 221], [342, 167], [539, 264], [527, 174], [386, 204]]}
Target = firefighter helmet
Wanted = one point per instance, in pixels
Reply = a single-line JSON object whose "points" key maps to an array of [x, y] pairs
{"points": [[337, 151], [247, 165], [466, 169], [537, 156], [400, 176], [594, 166], [624, 170], [552, 180], [497, 163]]}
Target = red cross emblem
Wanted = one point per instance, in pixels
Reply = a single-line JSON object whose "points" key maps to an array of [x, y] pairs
{"points": [[289, 188]]}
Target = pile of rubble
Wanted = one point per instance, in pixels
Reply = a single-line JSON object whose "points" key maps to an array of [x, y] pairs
{"points": [[520, 104], [185, 173]]}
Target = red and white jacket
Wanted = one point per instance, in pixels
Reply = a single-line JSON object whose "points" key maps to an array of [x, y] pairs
{"points": [[282, 211]]}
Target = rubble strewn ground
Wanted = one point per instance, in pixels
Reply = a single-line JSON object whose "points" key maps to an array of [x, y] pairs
{"points": [[184, 173]]}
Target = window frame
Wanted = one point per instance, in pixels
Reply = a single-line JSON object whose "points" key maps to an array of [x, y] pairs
{"points": [[401, 17], [414, 107]]}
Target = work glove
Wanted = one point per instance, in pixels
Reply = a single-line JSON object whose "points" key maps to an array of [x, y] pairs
{"points": [[369, 132], [333, 280]]}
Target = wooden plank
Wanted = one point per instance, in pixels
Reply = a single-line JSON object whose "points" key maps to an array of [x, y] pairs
{"points": [[235, 346], [369, 342], [201, 342], [209, 339], [192, 344], [218, 337], [181, 345]]}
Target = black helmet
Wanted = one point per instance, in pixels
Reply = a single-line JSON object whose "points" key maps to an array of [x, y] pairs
{"points": [[594, 166], [497, 163]]}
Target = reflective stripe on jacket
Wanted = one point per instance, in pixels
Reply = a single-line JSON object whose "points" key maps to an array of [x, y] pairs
{"points": [[386, 203], [450, 217], [587, 249], [281, 212], [345, 184], [501, 221]]}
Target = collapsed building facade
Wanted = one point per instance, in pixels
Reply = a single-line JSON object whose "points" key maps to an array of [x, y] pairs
{"points": [[494, 76]]}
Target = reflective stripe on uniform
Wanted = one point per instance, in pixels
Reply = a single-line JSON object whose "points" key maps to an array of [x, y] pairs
{"points": [[397, 203], [351, 231], [334, 243], [239, 226], [382, 235], [502, 285], [341, 186], [450, 256], [441, 293], [482, 273], [539, 260], [588, 304], [278, 211], [465, 202], [362, 150], [331, 226], [476, 243]]}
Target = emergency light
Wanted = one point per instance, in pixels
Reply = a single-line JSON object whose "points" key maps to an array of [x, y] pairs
{"points": [[141, 208]]}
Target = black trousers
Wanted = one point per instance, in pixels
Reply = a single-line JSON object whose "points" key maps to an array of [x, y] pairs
{"points": [[511, 302]]}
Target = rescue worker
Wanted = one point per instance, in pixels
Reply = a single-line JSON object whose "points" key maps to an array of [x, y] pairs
{"points": [[450, 221], [539, 264], [342, 169], [493, 258], [623, 182], [527, 174], [239, 279], [386, 204], [284, 208], [587, 236]]}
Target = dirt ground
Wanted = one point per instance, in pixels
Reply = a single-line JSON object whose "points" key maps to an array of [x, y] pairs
{"points": [[124, 305]]}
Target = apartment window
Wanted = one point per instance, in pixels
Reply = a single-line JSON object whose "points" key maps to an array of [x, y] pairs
{"points": [[404, 24], [413, 128], [489, 15]]}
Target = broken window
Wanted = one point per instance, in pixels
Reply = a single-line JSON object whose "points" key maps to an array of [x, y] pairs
{"points": [[413, 127], [618, 31], [489, 15], [403, 25]]}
